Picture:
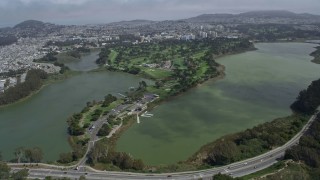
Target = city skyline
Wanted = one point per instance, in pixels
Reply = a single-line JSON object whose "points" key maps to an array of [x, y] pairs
{"points": [[106, 11]]}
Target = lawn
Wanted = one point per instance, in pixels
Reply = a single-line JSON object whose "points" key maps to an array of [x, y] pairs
{"points": [[138, 61], [202, 69], [113, 55], [156, 73], [199, 54], [87, 116], [178, 61], [161, 91]]}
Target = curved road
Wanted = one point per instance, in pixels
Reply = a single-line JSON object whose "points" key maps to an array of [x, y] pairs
{"points": [[236, 169]]}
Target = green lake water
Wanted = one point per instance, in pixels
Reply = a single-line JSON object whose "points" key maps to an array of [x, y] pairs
{"points": [[41, 120], [87, 61], [259, 86]]}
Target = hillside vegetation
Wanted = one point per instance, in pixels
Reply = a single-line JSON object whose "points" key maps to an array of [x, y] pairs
{"points": [[34, 81], [316, 55], [264, 137]]}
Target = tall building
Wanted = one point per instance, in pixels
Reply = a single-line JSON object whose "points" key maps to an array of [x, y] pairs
{"points": [[203, 34]]}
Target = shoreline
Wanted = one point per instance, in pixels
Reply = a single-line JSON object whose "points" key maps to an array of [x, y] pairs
{"points": [[23, 99], [54, 78], [221, 75], [47, 82]]}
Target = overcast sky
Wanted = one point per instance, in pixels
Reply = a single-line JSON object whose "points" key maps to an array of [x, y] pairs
{"points": [[104, 11]]}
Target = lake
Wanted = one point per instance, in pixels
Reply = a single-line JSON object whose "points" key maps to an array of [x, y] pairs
{"points": [[259, 86], [41, 119]]}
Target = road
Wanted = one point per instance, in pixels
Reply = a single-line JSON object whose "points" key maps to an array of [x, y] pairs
{"points": [[237, 169]]}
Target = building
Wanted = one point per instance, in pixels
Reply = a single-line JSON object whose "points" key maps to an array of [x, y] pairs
{"points": [[2, 82], [188, 37], [203, 34]]}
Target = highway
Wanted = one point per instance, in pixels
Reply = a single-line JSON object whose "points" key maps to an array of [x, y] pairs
{"points": [[237, 169]]}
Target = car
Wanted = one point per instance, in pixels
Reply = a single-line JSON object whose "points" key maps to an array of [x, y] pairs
{"points": [[245, 163]]}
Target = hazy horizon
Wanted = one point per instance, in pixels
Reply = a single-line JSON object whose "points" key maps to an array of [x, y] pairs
{"points": [[78, 12]]}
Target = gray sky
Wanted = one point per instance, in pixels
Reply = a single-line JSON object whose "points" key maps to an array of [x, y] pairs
{"points": [[104, 11]]}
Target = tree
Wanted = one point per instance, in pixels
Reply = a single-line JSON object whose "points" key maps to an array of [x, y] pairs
{"points": [[158, 84], [108, 100], [138, 164], [126, 161], [223, 177], [19, 153], [223, 153], [65, 158], [100, 151], [7, 83], [34, 81], [104, 131], [33, 155], [308, 100], [144, 84], [21, 175], [82, 177], [4, 171]]}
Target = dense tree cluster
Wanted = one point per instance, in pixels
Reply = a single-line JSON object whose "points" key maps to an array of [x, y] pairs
{"points": [[108, 100], [104, 56], [104, 130], [251, 142], [224, 177], [6, 175], [308, 149], [96, 114], [34, 81], [316, 55], [31, 155], [308, 100], [4, 170], [101, 154], [20, 175], [79, 149], [74, 128], [66, 158], [63, 68]]}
